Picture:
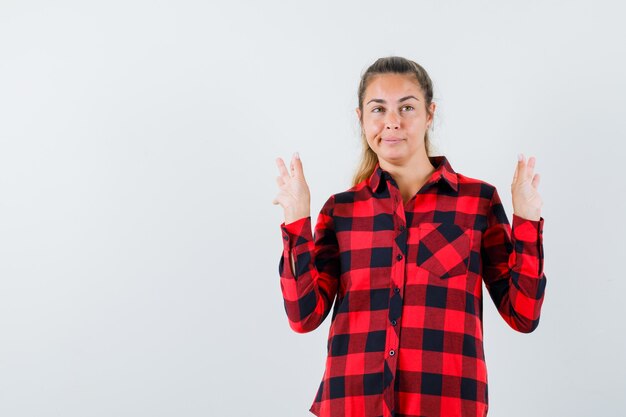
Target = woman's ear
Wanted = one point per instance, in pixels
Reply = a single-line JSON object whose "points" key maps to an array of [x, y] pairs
{"points": [[433, 106], [358, 113]]}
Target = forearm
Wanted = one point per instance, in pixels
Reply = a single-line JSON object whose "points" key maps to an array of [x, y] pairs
{"points": [[514, 272], [308, 290]]}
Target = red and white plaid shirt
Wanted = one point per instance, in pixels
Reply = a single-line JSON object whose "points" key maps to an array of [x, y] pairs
{"points": [[406, 336]]}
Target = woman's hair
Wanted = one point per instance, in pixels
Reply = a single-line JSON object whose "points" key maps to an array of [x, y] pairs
{"points": [[389, 65]]}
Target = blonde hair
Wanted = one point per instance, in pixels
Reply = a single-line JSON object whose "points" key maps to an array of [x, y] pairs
{"points": [[389, 65]]}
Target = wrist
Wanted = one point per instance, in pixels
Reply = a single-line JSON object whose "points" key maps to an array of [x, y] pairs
{"points": [[291, 215], [535, 216]]}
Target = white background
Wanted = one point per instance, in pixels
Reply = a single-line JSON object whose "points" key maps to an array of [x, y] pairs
{"points": [[139, 247]]}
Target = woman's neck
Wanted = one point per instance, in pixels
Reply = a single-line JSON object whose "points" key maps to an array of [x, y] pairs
{"points": [[410, 176]]}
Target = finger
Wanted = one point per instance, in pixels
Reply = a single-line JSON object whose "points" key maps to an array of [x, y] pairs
{"points": [[535, 182], [280, 181], [292, 165], [282, 168], [298, 166], [530, 168], [521, 168], [518, 167], [515, 174]]}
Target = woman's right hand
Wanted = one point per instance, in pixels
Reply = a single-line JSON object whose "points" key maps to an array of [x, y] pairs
{"points": [[294, 194]]}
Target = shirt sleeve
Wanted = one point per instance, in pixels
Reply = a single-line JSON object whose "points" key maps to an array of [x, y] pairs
{"points": [[513, 266], [309, 290]]}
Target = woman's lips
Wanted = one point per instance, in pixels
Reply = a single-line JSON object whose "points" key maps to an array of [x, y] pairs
{"points": [[391, 140]]}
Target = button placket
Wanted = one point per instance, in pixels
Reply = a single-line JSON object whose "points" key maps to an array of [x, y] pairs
{"points": [[397, 281]]}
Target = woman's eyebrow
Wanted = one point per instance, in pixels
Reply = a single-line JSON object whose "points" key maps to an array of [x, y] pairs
{"points": [[380, 100]]}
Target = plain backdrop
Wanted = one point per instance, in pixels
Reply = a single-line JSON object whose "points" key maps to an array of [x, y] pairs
{"points": [[139, 247]]}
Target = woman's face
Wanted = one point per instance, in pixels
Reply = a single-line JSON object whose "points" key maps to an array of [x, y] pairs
{"points": [[394, 117]]}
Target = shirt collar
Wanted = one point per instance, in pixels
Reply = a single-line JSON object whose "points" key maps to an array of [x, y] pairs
{"points": [[443, 170]]}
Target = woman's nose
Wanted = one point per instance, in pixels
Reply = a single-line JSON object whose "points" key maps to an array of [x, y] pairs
{"points": [[392, 121]]}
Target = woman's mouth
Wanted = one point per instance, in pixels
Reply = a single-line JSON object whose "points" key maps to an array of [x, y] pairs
{"points": [[391, 140]]}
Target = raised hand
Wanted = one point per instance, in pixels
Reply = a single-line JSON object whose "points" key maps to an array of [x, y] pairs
{"points": [[294, 194], [526, 200]]}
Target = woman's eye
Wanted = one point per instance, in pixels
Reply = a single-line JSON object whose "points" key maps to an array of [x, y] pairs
{"points": [[374, 110]]}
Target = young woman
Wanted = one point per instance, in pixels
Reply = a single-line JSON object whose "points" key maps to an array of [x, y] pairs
{"points": [[403, 254]]}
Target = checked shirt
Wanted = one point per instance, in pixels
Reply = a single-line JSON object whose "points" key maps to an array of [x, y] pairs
{"points": [[406, 332]]}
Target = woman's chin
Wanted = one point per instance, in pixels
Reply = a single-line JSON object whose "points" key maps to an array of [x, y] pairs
{"points": [[395, 158], [392, 154]]}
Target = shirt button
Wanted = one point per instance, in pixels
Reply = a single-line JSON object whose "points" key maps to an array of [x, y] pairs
{"points": [[392, 352], [286, 237], [399, 257], [393, 322], [401, 228], [396, 290]]}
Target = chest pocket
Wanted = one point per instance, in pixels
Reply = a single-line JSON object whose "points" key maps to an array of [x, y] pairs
{"points": [[444, 249]]}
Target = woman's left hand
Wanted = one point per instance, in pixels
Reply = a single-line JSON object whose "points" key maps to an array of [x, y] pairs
{"points": [[526, 200]]}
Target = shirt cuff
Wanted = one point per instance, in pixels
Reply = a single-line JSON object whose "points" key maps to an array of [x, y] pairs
{"points": [[296, 233], [527, 230]]}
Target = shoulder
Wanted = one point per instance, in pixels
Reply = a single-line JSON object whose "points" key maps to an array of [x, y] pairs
{"points": [[349, 195], [475, 186]]}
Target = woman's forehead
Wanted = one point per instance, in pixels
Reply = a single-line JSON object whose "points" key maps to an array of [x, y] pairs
{"points": [[393, 87]]}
